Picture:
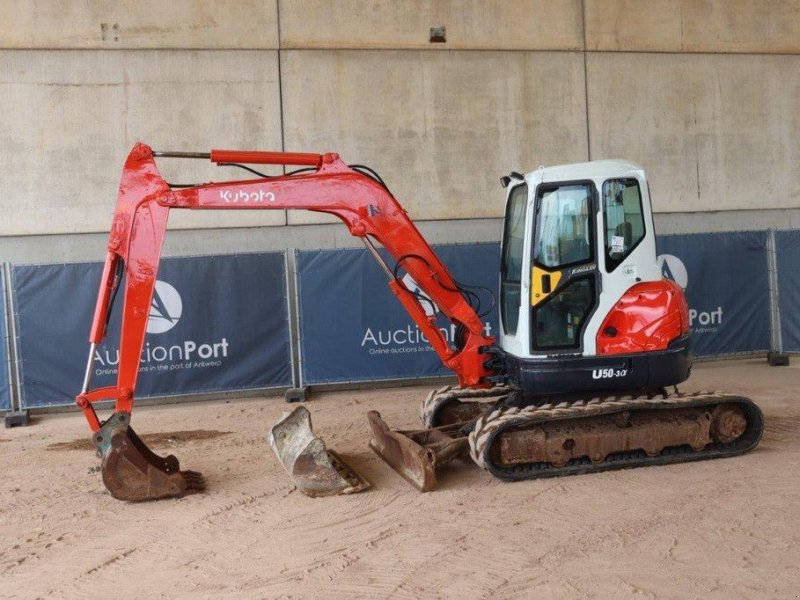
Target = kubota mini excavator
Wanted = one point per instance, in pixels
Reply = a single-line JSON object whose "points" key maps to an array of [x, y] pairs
{"points": [[591, 335]]}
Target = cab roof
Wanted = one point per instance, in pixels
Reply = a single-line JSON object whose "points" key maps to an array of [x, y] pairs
{"points": [[595, 169]]}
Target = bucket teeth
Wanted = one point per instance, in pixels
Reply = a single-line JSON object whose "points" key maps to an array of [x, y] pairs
{"points": [[315, 470], [133, 472]]}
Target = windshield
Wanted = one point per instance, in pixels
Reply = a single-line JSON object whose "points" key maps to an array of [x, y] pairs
{"points": [[563, 234]]}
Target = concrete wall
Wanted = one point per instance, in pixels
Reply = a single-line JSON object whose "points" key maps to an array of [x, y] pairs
{"points": [[705, 94], [440, 127], [70, 117], [200, 24], [404, 24], [689, 26], [714, 131]]}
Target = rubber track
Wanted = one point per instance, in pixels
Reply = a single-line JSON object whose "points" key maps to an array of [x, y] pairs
{"points": [[436, 399], [489, 426]]}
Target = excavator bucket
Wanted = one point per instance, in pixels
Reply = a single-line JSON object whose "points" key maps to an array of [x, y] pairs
{"points": [[133, 472], [316, 471], [417, 455]]}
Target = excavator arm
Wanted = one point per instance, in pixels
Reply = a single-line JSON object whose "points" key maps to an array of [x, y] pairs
{"points": [[327, 185]]}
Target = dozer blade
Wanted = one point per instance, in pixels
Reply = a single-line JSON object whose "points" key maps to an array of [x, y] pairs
{"points": [[416, 455], [133, 472], [316, 471]]}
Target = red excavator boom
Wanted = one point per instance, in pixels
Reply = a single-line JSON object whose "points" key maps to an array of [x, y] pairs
{"points": [[326, 185]]}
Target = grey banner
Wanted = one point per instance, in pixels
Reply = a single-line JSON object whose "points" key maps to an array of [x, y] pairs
{"points": [[217, 323]]}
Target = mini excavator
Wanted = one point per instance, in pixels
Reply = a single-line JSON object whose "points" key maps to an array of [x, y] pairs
{"points": [[591, 335]]}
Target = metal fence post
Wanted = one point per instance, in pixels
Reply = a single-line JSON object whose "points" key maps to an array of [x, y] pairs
{"points": [[298, 392], [17, 415], [776, 355]]}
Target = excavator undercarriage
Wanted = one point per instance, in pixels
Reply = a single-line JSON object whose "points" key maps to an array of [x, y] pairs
{"points": [[573, 436]]}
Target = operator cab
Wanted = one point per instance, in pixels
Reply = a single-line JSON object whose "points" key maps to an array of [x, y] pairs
{"points": [[577, 239]]}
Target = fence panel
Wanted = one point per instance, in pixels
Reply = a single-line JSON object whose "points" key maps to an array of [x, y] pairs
{"points": [[217, 323], [352, 328], [727, 285]]}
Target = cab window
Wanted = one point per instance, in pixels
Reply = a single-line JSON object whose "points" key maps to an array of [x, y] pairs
{"points": [[511, 267], [564, 237], [563, 231], [624, 221]]}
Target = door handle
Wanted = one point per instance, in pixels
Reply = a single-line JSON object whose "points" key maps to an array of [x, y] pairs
{"points": [[546, 287]]}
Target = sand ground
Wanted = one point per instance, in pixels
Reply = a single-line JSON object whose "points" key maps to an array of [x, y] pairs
{"points": [[717, 529]]}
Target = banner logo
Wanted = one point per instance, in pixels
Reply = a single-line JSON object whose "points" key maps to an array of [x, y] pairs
{"points": [[165, 309], [673, 268], [702, 321]]}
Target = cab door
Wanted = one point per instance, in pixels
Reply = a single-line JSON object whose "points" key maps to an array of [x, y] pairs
{"points": [[565, 284]]}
